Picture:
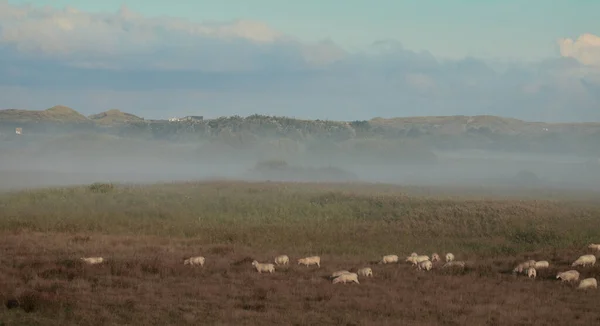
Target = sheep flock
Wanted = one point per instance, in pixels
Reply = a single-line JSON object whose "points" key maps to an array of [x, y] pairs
{"points": [[421, 262]]}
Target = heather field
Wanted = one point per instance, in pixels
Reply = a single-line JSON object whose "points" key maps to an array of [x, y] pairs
{"points": [[145, 232]]}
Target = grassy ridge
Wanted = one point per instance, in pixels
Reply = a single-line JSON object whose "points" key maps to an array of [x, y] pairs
{"points": [[145, 232], [363, 220]]}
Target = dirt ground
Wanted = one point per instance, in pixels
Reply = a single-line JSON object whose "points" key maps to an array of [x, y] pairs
{"points": [[144, 282]]}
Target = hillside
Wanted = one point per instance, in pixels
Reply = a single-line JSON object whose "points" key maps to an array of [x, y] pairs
{"points": [[391, 138], [58, 113], [114, 117]]}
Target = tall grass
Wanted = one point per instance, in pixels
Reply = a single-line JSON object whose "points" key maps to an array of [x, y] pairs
{"points": [[344, 219]]}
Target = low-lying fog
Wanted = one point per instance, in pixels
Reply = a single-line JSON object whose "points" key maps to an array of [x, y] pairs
{"points": [[51, 166], [84, 159]]}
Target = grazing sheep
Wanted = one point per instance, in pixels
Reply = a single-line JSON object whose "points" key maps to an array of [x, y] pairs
{"points": [[388, 259], [568, 276], [282, 260], [367, 271], [541, 264], [426, 265], [313, 260], [588, 283], [435, 257], [449, 257], [338, 273], [415, 260], [594, 246], [92, 260], [585, 260], [531, 272], [522, 267], [263, 267], [345, 278], [414, 254], [198, 260], [421, 258], [456, 263]]}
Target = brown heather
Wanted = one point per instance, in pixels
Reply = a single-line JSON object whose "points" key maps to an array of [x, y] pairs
{"points": [[145, 232]]}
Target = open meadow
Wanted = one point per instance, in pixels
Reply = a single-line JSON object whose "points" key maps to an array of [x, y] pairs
{"points": [[145, 232]]}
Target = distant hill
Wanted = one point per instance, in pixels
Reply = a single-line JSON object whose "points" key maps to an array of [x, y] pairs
{"points": [[114, 117], [56, 113], [448, 125], [396, 138]]}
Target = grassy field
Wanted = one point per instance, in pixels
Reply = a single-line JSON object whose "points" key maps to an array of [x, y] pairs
{"points": [[145, 232]]}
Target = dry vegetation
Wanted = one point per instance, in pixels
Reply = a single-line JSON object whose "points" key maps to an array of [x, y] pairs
{"points": [[144, 233]]}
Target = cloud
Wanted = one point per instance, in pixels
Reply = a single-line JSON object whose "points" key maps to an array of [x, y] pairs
{"points": [[586, 49], [165, 66]]}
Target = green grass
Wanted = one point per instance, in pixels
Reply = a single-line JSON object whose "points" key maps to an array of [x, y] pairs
{"points": [[363, 220]]}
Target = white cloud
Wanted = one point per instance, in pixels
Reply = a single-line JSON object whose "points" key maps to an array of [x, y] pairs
{"points": [[586, 49], [99, 39], [244, 67]]}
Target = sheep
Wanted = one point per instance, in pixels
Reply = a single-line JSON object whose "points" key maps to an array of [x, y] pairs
{"points": [[313, 260], [414, 254], [415, 260], [531, 272], [282, 260], [568, 276], [388, 259], [198, 260], [421, 258], [338, 273], [426, 265], [588, 283], [522, 267], [345, 278], [92, 260], [541, 264], [585, 260], [454, 263], [367, 271], [263, 267], [435, 257], [449, 257], [594, 246]]}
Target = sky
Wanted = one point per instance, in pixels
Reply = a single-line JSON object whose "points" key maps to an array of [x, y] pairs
{"points": [[342, 60]]}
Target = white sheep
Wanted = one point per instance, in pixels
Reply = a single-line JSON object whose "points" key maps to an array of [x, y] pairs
{"points": [[345, 278], [367, 271], [263, 267], [92, 260], [388, 259], [282, 260], [588, 283], [426, 265], [531, 272], [455, 263], [414, 254], [568, 276], [522, 267], [338, 273], [541, 264], [198, 260], [421, 258], [449, 257], [435, 257], [594, 246], [585, 260], [313, 260]]}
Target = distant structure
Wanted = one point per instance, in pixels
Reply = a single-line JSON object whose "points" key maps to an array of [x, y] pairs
{"points": [[188, 118], [19, 131], [192, 118]]}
